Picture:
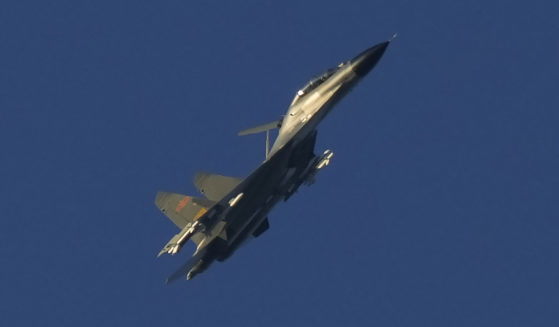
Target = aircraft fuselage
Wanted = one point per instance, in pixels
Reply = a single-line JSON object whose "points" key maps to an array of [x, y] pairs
{"points": [[290, 162]]}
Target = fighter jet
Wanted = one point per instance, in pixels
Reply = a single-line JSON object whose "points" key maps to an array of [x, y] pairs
{"points": [[234, 210]]}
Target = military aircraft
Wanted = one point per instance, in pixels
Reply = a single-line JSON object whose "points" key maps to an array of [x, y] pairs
{"points": [[234, 210]]}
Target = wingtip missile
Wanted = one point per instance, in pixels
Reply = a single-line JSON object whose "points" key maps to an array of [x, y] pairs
{"points": [[164, 250], [172, 249], [175, 244]]}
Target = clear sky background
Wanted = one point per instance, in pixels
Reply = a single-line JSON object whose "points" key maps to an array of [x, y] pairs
{"points": [[440, 207]]}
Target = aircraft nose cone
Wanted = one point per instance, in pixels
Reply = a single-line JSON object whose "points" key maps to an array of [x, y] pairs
{"points": [[366, 60]]}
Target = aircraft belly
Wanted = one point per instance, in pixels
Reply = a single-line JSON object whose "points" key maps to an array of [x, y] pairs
{"points": [[257, 190], [250, 212], [265, 195], [263, 191]]}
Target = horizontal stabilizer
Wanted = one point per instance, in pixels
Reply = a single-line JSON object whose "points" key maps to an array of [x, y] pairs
{"points": [[261, 128], [214, 186], [182, 209]]}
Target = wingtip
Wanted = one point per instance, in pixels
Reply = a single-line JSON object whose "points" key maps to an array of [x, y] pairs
{"points": [[395, 35]]}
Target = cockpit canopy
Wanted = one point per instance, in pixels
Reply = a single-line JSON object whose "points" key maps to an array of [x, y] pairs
{"points": [[316, 81], [313, 83]]}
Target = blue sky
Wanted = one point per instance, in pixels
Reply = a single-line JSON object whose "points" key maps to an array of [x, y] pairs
{"points": [[439, 208]]}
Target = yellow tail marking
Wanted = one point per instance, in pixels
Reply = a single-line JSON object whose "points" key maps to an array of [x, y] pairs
{"points": [[200, 213]]}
